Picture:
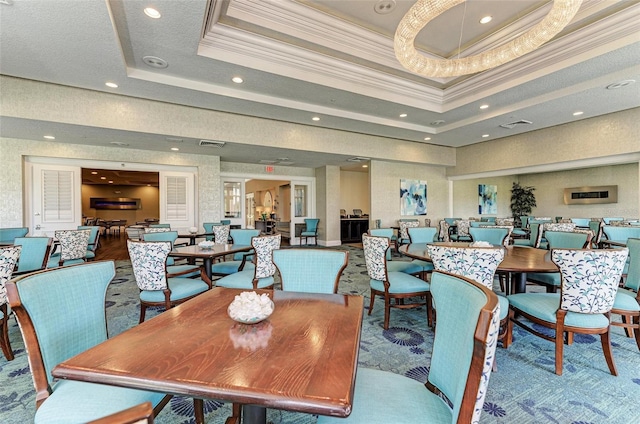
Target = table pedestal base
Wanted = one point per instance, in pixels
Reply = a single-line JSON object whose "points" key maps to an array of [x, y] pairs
{"points": [[252, 414]]}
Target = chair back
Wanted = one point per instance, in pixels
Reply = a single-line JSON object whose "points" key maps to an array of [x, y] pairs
{"points": [[383, 232], [170, 236], [375, 256], [620, 233], [596, 227], [452, 221], [405, 225], [463, 226], [8, 259], [581, 222], [93, 237], [208, 228], [73, 243], [7, 235], [310, 270], [150, 230], [561, 226], [505, 221], [608, 221], [422, 234], [243, 236], [567, 240], [427, 222], [148, 260], [633, 272], [589, 278], [465, 343], [476, 263], [264, 246], [61, 312], [34, 254], [477, 224], [225, 221], [535, 234], [159, 225], [221, 234], [494, 235], [443, 230], [311, 224], [524, 221]]}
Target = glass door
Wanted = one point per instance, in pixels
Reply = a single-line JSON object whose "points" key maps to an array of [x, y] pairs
{"points": [[302, 206]]}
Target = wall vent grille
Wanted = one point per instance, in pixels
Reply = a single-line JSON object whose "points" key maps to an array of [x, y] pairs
{"points": [[210, 143]]}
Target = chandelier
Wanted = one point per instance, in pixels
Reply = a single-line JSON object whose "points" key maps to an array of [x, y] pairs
{"points": [[423, 11]]}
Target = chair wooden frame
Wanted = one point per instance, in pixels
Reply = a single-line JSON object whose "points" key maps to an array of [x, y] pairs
{"points": [[10, 255], [631, 319]]}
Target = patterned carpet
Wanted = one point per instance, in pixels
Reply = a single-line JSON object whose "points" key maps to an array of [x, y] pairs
{"points": [[524, 390]]}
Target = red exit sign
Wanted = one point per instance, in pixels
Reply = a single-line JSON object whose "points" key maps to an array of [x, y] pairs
{"points": [[269, 169]]}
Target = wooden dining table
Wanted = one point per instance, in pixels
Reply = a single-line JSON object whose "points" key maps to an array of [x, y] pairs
{"points": [[194, 251], [517, 262], [302, 358]]}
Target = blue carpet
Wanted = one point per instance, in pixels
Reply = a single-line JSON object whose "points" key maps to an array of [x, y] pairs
{"points": [[524, 390]]}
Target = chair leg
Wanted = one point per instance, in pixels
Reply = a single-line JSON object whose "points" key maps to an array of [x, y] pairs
{"points": [[4, 336], [387, 312], [608, 353], [636, 329], [559, 340], [429, 303], [508, 336], [143, 309], [198, 410], [373, 299]]}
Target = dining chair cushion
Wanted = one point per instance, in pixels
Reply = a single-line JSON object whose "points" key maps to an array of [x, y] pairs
{"points": [[545, 305], [230, 267], [404, 266], [243, 280], [626, 300], [80, 402], [180, 288], [401, 394], [546, 278], [400, 283]]}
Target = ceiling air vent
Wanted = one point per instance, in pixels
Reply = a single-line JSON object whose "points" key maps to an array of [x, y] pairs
{"points": [[512, 125], [358, 159], [210, 143]]}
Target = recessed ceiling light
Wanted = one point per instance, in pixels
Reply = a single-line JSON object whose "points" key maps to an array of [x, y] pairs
{"points": [[486, 20], [403, 115], [484, 106], [49, 137], [365, 166], [237, 80], [427, 138], [175, 149], [578, 113], [103, 178], [315, 118], [111, 84], [110, 182], [94, 172], [152, 13], [485, 135], [155, 62]]}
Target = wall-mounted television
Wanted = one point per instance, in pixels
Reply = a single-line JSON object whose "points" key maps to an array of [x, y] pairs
{"points": [[115, 203]]}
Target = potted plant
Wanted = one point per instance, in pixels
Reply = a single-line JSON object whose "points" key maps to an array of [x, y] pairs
{"points": [[522, 200]]}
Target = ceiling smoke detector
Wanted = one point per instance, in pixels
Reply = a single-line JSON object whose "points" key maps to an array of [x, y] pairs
{"points": [[384, 7], [436, 123], [512, 125], [210, 143], [155, 62], [620, 84]]}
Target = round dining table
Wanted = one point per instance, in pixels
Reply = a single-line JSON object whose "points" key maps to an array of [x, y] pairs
{"points": [[517, 262]]}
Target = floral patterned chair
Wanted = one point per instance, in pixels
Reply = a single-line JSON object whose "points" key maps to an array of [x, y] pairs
{"points": [[463, 351], [627, 303], [61, 313], [404, 225], [260, 276], [240, 261], [589, 282], [221, 234], [461, 230], [73, 248], [157, 287], [444, 229], [392, 285], [8, 258], [172, 267], [476, 263], [414, 267]]}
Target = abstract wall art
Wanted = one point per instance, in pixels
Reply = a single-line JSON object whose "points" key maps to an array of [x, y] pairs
{"points": [[413, 197], [487, 199]]}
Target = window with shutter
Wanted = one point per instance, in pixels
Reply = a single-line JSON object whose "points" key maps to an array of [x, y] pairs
{"points": [[176, 198], [57, 196]]}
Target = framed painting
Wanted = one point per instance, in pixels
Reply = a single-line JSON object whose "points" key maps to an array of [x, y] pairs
{"points": [[487, 199], [413, 197]]}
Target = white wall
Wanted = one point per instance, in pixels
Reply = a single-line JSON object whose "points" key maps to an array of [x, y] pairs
{"points": [[465, 196], [354, 191]]}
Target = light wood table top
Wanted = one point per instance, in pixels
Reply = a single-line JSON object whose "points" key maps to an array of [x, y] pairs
{"points": [[302, 358]]}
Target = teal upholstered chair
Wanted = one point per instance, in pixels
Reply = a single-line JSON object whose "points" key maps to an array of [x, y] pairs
{"points": [[225, 221], [159, 225], [627, 302], [391, 285], [414, 267], [208, 228], [73, 248], [94, 240], [558, 240], [596, 228], [461, 232], [240, 261], [620, 234], [476, 263], [310, 231], [8, 234], [535, 235], [260, 276], [404, 225], [157, 287], [463, 351], [61, 313], [8, 258], [522, 232], [494, 235], [310, 270], [608, 221], [34, 254], [172, 266], [589, 283], [423, 235], [581, 222]]}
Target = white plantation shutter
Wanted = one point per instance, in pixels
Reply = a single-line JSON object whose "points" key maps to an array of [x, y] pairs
{"points": [[57, 196], [177, 208]]}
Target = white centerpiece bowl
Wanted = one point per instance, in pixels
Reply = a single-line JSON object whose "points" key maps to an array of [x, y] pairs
{"points": [[250, 308], [206, 245]]}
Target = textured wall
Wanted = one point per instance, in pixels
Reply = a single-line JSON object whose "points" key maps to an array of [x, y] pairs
{"points": [[354, 191], [607, 135], [385, 191], [328, 204], [465, 196]]}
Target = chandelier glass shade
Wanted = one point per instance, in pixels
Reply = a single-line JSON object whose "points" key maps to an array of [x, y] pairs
{"points": [[423, 11]]}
